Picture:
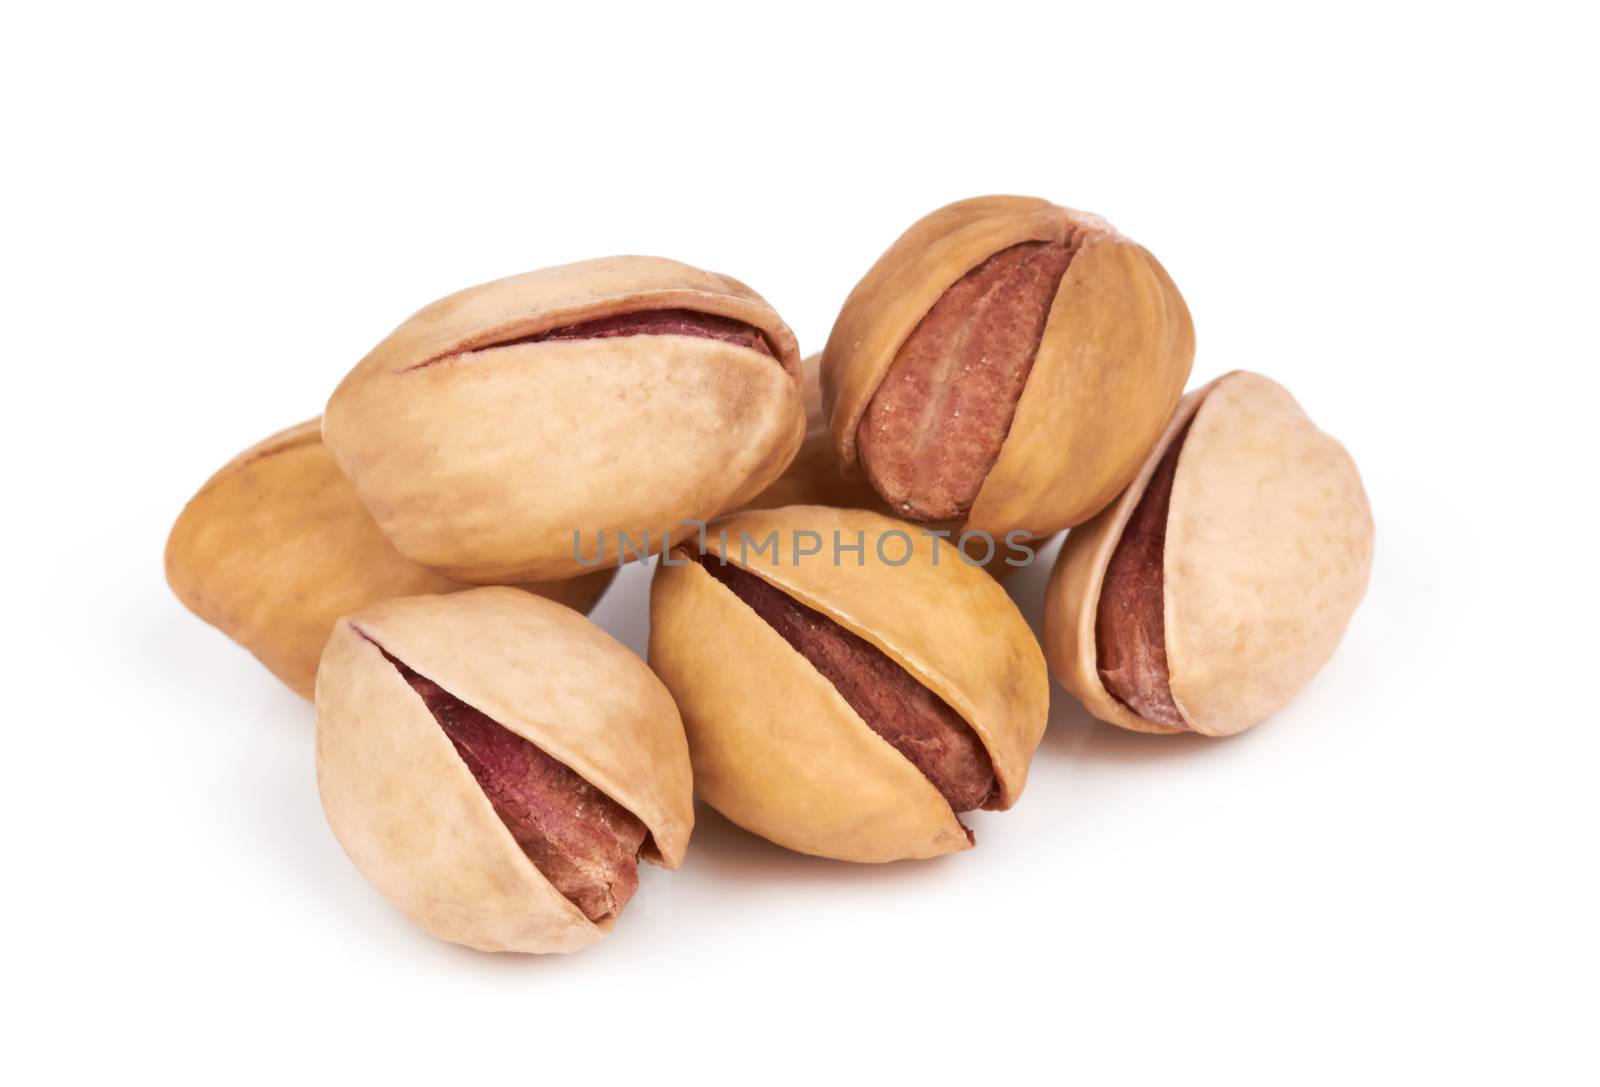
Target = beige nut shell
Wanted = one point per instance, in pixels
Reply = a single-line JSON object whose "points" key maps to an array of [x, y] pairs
{"points": [[408, 811], [1268, 552], [482, 461], [777, 749], [1117, 348], [276, 546]]}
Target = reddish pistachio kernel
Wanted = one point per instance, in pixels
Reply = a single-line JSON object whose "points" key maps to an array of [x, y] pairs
{"points": [[934, 427], [1130, 624], [586, 844], [663, 322]]}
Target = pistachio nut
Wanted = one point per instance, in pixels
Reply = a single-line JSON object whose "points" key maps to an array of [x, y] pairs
{"points": [[814, 478], [503, 432], [1005, 364], [1222, 579], [276, 546], [847, 683], [495, 765]]}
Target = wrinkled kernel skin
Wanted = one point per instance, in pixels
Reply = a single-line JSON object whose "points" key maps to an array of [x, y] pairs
{"points": [[934, 428], [1130, 624], [583, 842], [915, 721], [663, 322]]}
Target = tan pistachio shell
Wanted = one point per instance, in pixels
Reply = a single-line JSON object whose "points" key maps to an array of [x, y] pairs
{"points": [[276, 546], [408, 811], [482, 461], [1117, 348], [777, 749], [814, 478], [1268, 552]]}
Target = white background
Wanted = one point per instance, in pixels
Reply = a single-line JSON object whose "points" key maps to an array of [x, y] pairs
{"points": [[210, 214]]}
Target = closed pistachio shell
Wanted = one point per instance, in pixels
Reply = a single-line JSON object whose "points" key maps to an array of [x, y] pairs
{"points": [[276, 546], [777, 747], [814, 477], [497, 433], [412, 815], [1267, 552], [1023, 400]]}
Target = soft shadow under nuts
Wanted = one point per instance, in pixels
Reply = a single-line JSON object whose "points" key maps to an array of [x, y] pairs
{"points": [[912, 719]]}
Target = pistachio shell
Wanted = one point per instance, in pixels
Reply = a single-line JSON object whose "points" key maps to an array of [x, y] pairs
{"points": [[1117, 347], [481, 452], [409, 812], [276, 546], [1111, 367], [1268, 551], [814, 478], [777, 749]]}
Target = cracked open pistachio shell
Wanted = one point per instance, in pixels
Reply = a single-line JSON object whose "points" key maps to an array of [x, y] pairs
{"points": [[813, 478], [276, 546], [499, 432], [848, 701], [495, 765], [1221, 581], [1005, 364]]}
